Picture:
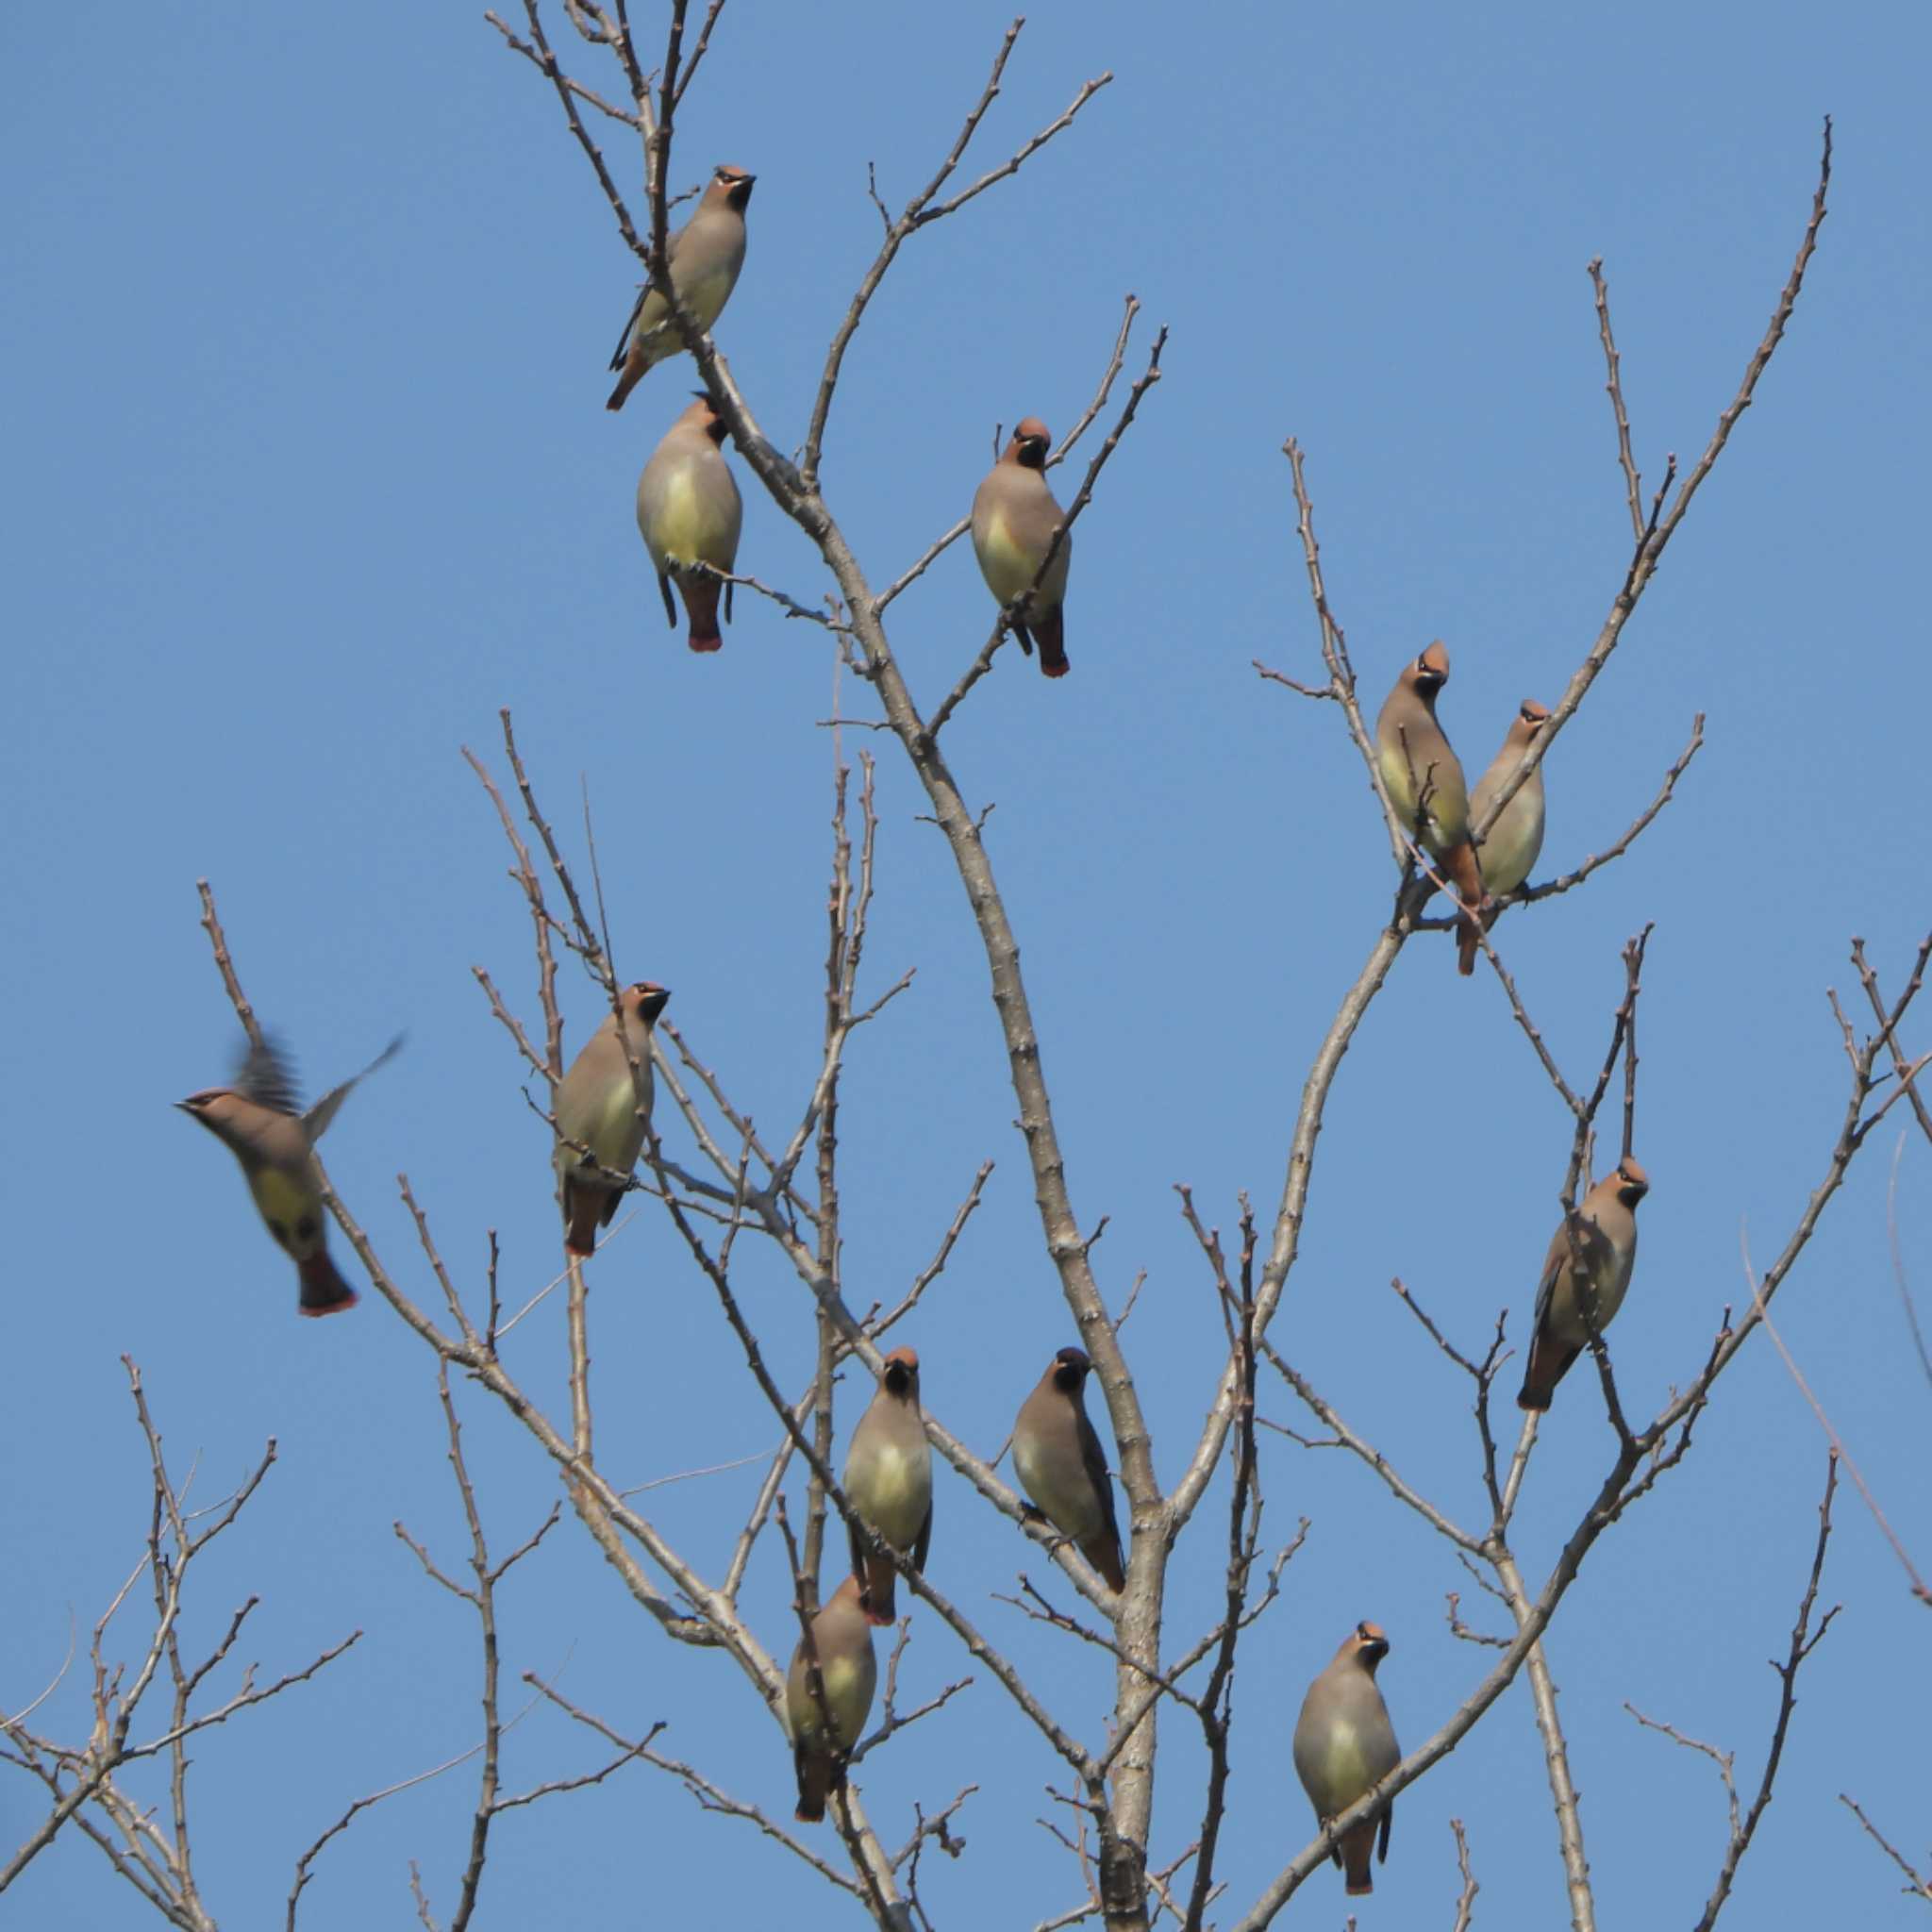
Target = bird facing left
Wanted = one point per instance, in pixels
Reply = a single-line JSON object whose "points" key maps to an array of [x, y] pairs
{"points": [[257, 1121]]}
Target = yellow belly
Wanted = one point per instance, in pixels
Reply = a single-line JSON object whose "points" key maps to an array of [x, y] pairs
{"points": [[1007, 566], [287, 1204], [692, 526]]}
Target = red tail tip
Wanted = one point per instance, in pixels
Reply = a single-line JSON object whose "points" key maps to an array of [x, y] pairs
{"points": [[1058, 669], [338, 1307], [711, 643]]}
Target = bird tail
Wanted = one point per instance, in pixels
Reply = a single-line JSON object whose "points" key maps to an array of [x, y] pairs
{"points": [[1051, 631], [1356, 1850], [701, 601], [814, 1771], [323, 1291], [882, 1604], [1459, 862], [1104, 1553], [582, 1210], [1545, 1369], [633, 374], [878, 1574]]}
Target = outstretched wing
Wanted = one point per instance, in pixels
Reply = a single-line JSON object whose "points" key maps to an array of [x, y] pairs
{"points": [[315, 1121], [264, 1075]]}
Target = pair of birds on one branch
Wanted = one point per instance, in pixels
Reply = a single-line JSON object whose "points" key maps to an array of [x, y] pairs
{"points": [[1423, 779], [1587, 1269], [690, 512]]}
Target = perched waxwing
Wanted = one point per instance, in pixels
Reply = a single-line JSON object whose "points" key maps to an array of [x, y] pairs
{"points": [[1425, 783], [690, 511], [1060, 1464], [1587, 1268], [601, 1110], [842, 1636], [1515, 842], [257, 1120], [704, 257], [1345, 1743], [889, 1481], [1014, 517]]}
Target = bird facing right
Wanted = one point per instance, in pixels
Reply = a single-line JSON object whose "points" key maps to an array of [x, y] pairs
{"points": [[1423, 779], [1014, 518], [1585, 1273], [704, 257], [1515, 842], [601, 1112], [1344, 1744]]}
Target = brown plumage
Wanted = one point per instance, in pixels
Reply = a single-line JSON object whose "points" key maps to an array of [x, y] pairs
{"points": [[600, 1108], [1425, 786], [1587, 1269], [848, 1673], [1061, 1465], [1515, 842], [257, 1122], [1014, 518], [1344, 1744], [704, 257], [888, 1482]]}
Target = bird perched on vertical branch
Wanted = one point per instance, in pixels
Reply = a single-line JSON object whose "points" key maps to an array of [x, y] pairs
{"points": [[1344, 1744], [690, 511], [1014, 518], [887, 1480], [848, 1671], [704, 257], [1060, 1464], [1425, 786], [1586, 1276], [601, 1112], [257, 1121], [1513, 844]]}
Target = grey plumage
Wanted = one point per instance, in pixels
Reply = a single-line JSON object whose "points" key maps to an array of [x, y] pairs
{"points": [[1344, 1744]]}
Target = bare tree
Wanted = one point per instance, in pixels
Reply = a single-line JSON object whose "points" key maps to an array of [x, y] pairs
{"points": [[746, 1184]]}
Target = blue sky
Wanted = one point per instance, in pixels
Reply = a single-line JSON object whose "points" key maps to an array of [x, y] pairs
{"points": [[307, 313]]}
